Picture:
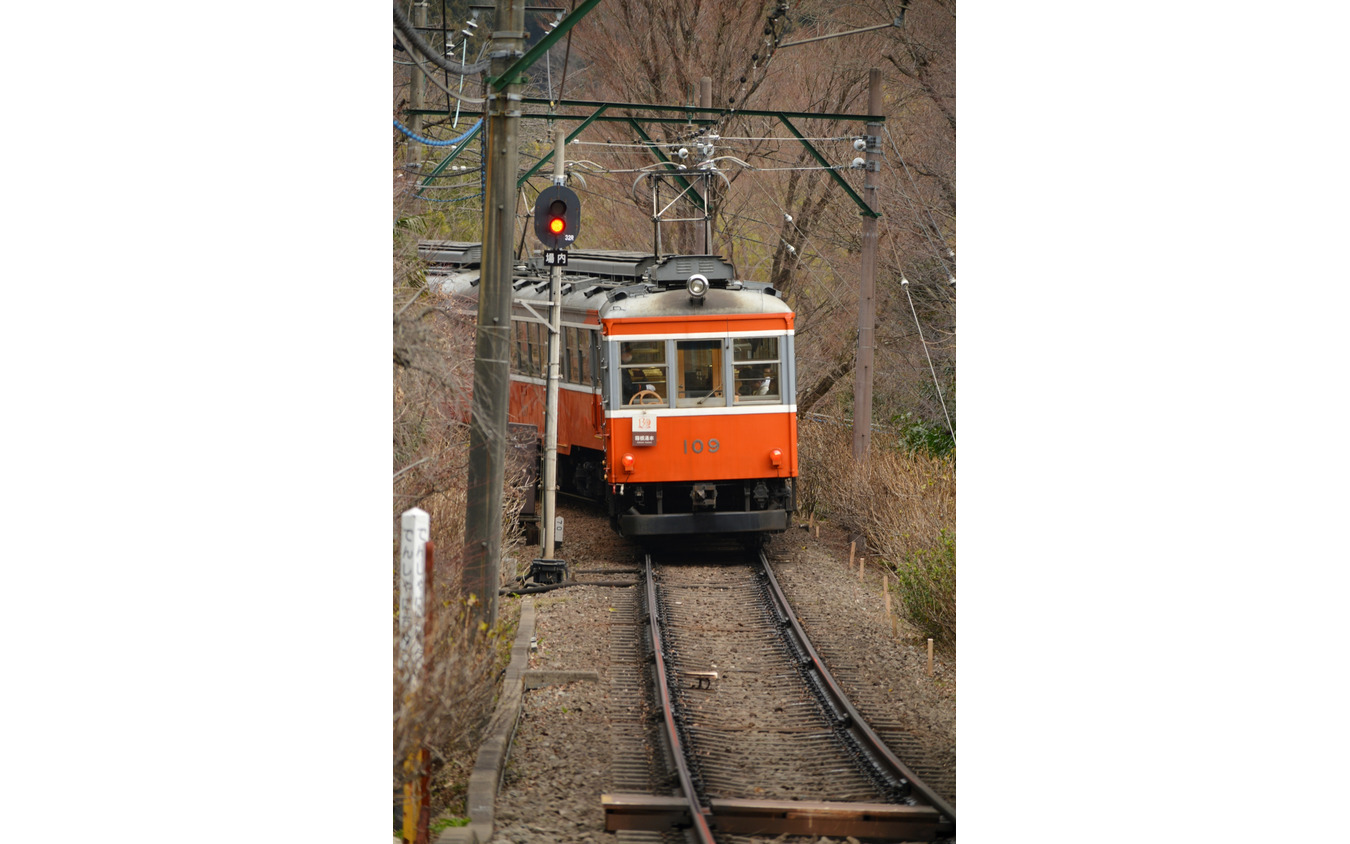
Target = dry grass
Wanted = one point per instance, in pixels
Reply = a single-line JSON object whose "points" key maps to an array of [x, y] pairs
{"points": [[900, 502], [903, 504]]}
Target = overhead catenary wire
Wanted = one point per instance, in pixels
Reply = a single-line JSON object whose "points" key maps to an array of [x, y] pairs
{"points": [[432, 77], [904, 285], [405, 28]]}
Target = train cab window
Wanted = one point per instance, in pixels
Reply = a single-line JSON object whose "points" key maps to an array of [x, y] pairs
{"points": [[642, 373], [699, 367], [756, 370]]}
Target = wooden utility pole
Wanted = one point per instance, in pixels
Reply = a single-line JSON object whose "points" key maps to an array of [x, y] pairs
{"points": [[491, 372], [867, 305]]}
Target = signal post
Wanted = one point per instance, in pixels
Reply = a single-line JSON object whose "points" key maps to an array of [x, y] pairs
{"points": [[557, 214]]}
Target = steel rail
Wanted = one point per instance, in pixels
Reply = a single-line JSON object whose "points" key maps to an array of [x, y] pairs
{"points": [[854, 721], [697, 812]]}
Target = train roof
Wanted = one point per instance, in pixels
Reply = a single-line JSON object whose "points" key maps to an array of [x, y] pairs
{"points": [[608, 282]]}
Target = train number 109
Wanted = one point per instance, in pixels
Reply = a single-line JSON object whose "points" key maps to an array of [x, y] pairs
{"points": [[696, 446]]}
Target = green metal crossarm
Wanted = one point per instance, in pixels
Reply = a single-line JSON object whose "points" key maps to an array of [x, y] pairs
{"points": [[712, 114], [866, 210], [661, 155], [449, 158], [548, 156], [523, 63]]}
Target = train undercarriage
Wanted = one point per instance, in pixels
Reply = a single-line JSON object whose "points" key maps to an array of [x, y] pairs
{"points": [[752, 506]]}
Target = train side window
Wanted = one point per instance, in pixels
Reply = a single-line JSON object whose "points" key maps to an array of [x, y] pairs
{"points": [[581, 373], [536, 353], [642, 373], [519, 357], [756, 370], [593, 351], [570, 355], [699, 367]]}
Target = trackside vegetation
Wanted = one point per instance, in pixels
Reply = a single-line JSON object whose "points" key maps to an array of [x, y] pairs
{"points": [[902, 499]]}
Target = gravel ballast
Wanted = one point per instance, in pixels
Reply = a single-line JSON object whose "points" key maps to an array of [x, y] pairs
{"points": [[574, 726]]}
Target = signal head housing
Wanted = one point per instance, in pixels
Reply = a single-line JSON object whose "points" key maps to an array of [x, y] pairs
{"points": [[557, 217]]}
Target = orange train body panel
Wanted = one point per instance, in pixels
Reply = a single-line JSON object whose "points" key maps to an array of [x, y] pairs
{"points": [[705, 448], [578, 411]]}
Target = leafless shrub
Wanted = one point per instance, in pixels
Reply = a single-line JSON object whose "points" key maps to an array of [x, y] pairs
{"points": [[903, 504], [900, 502]]}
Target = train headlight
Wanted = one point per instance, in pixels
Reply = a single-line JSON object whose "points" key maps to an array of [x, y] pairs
{"points": [[627, 462], [697, 285], [776, 457]]}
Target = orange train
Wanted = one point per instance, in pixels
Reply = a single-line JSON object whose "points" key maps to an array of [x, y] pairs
{"points": [[676, 401]]}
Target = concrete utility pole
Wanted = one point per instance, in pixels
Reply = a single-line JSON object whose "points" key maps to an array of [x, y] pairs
{"points": [[867, 305], [491, 374], [554, 349], [418, 95]]}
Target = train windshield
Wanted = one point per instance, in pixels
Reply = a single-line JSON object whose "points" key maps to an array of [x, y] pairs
{"points": [[642, 373], [755, 370], [699, 366]]}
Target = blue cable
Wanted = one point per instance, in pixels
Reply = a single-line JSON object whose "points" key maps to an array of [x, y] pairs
{"points": [[429, 142]]}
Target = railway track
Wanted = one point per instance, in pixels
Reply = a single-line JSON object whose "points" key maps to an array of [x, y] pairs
{"points": [[757, 736]]}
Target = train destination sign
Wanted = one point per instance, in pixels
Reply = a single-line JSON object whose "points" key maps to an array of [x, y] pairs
{"points": [[644, 429]]}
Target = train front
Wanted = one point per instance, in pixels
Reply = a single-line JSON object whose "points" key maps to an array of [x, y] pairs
{"points": [[699, 410]]}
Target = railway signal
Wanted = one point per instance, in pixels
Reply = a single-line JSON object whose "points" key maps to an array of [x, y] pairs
{"points": [[557, 217]]}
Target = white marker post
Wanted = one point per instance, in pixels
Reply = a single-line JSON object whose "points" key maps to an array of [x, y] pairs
{"points": [[413, 536]]}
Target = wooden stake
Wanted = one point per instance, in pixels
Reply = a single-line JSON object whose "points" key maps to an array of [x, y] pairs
{"points": [[862, 561], [817, 531], [852, 549], [811, 523], [930, 657]]}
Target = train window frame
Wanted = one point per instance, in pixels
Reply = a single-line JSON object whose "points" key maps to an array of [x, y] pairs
{"points": [[711, 394], [759, 366], [653, 371]]}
